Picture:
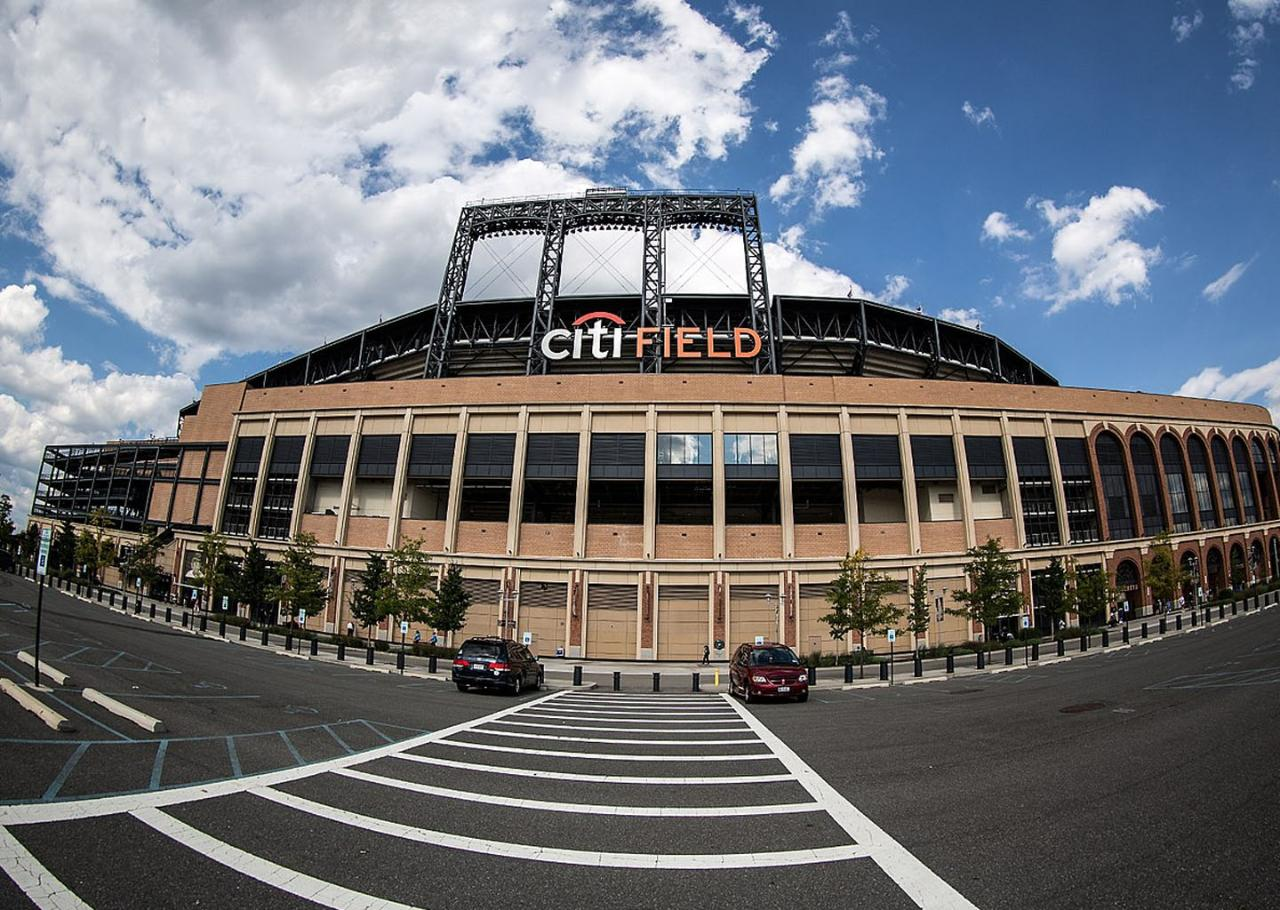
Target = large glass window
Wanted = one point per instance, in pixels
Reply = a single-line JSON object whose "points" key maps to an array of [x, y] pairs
{"points": [[1200, 482], [1150, 496], [376, 462], [1222, 473], [1077, 489], [241, 485], [615, 493], [877, 471], [426, 495], [282, 485], [1261, 468], [1175, 481], [486, 478], [934, 460], [751, 494], [328, 465], [684, 479], [988, 481], [1115, 486], [1248, 499], [550, 486], [817, 479], [1035, 488]]}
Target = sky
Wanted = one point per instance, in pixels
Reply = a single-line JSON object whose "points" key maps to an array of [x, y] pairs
{"points": [[191, 192]]}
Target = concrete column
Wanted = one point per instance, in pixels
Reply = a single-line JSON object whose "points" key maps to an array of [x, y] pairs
{"points": [[647, 614], [455, 483], [848, 471], [1055, 472], [517, 482], [259, 487], [908, 483], [584, 482], [304, 478], [226, 476], [717, 482], [784, 486], [651, 483], [401, 480], [349, 480], [962, 480], [1011, 471]]}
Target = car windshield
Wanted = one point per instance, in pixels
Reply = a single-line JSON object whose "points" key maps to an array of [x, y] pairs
{"points": [[774, 657], [481, 650]]}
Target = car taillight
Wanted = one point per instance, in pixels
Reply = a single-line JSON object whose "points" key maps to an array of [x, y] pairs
{"points": [[460, 663], [499, 667]]}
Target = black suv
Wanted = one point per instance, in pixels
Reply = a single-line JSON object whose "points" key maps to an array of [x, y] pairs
{"points": [[499, 663]]}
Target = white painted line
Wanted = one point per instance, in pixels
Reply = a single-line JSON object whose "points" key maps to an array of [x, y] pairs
{"points": [[70, 810], [869, 685], [916, 680], [133, 715], [280, 877], [49, 717], [918, 881], [1009, 669], [736, 728], [58, 677], [604, 756], [35, 881], [641, 711], [605, 739], [561, 855], [593, 778], [564, 715], [676, 700], [582, 808]]}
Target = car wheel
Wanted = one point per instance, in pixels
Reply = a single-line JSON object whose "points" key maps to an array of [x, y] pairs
{"points": [[518, 686], [803, 696], [462, 687], [746, 693]]}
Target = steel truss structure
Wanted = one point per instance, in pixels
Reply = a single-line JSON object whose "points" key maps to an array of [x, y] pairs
{"points": [[807, 335]]}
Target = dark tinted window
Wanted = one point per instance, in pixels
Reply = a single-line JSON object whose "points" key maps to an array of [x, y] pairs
{"points": [[484, 649], [774, 657]]}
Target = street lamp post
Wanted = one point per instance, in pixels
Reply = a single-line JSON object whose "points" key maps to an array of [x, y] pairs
{"points": [[506, 599]]}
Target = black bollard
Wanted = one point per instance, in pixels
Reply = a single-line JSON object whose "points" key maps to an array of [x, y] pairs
{"points": [[697, 682], [1035, 650], [1008, 655], [811, 675], [342, 650], [917, 668], [168, 614], [265, 638], [315, 647], [1195, 618], [617, 680], [951, 663], [577, 675], [1177, 622], [1222, 610], [657, 682], [368, 656], [1106, 638], [1062, 647], [1164, 627], [111, 601], [1233, 608], [137, 608], [400, 661], [884, 671], [1124, 635], [184, 619], [222, 627], [1084, 642], [100, 595], [153, 609], [431, 664], [982, 659], [288, 641], [244, 633], [848, 673], [204, 622]]}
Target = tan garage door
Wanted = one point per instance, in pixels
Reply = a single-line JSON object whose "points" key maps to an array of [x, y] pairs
{"points": [[611, 621], [750, 614], [815, 636], [482, 615], [542, 607], [682, 621]]}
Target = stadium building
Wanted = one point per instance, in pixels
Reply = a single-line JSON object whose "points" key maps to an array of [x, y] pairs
{"points": [[637, 475]]}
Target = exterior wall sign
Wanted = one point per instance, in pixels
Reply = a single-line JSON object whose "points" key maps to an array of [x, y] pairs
{"points": [[599, 336]]}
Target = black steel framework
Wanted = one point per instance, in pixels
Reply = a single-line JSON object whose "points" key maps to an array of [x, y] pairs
{"points": [[800, 335]]}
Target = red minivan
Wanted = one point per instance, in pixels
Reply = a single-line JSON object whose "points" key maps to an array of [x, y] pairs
{"points": [[768, 670]]}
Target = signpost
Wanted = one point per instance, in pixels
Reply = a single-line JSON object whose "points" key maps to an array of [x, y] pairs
{"points": [[404, 630], [892, 635], [42, 569], [527, 639]]}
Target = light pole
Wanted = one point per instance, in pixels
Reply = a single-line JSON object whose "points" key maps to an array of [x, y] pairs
{"points": [[505, 601]]}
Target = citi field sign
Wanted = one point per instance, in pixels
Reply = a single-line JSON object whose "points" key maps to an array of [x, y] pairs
{"points": [[599, 336]]}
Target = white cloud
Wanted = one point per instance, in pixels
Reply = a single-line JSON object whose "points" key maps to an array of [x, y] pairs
{"points": [[828, 162], [750, 18], [770, 126], [790, 272], [1215, 290], [1093, 254], [999, 228], [1183, 26], [1248, 384], [841, 34], [968, 317], [46, 399], [1247, 35], [978, 117], [259, 182], [895, 286]]}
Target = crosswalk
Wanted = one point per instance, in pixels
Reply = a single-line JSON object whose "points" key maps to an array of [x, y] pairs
{"points": [[644, 790]]}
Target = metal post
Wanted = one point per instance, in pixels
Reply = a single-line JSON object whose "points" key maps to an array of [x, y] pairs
{"points": [[1008, 655], [111, 600], [315, 647], [982, 659], [342, 650], [39, 612], [153, 610], [400, 661], [204, 622], [1035, 650], [368, 656], [1106, 638], [917, 668], [884, 671], [657, 682], [1177, 622], [288, 641], [697, 682], [266, 637], [577, 675], [222, 627], [848, 673], [951, 663], [185, 619], [617, 680], [431, 664], [244, 632], [812, 675], [1084, 642], [1062, 647], [1124, 635]]}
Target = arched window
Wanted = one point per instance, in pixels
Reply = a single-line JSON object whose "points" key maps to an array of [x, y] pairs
{"points": [[1238, 571], [1213, 570], [1150, 496], [1275, 557], [1175, 480], [1201, 482], [1115, 486], [1263, 471], [1222, 472], [1275, 464], [1248, 496], [1257, 562]]}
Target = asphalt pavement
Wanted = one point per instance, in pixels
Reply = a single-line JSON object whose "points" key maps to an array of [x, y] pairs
{"points": [[1142, 777]]}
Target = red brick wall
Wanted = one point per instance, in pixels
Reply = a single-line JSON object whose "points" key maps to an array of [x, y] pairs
{"points": [[431, 533], [482, 537], [615, 541], [368, 532], [324, 527], [753, 541], [684, 541], [942, 536], [1001, 529], [546, 540], [887, 539], [821, 540]]}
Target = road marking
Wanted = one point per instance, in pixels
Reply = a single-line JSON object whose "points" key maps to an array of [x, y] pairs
{"points": [[736, 728], [606, 739], [592, 778], [604, 756], [35, 881], [581, 808], [67, 768], [623, 720], [918, 881], [293, 750], [233, 756], [158, 768], [265, 871], [559, 854], [339, 740], [695, 712]]}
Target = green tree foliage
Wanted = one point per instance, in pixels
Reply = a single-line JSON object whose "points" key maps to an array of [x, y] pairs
{"points": [[371, 603], [301, 581], [1163, 574], [212, 569], [254, 583], [858, 601], [62, 550], [918, 610], [1094, 594], [140, 570], [29, 542], [452, 602], [95, 551], [7, 532], [1054, 596], [413, 593], [993, 587]]}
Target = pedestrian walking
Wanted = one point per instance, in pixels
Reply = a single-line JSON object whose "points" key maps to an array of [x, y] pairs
{"points": [[351, 629], [706, 654]]}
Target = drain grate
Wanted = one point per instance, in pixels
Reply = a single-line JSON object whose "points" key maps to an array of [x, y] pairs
{"points": [[1082, 708]]}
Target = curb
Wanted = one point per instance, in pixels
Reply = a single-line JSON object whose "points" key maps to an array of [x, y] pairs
{"points": [[51, 718], [53, 673], [133, 715]]}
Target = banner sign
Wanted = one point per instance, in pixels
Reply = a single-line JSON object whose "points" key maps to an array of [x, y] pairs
{"points": [[599, 335]]}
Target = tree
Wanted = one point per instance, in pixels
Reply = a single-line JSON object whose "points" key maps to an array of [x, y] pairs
{"points": [[211, 570], [94, 550], [993, 587], [1052, 593], [918, 611], [7, 535], [413, 593], [254, 583], [29, 543], [1094, 594], [451, 603], [1163, 574], [62, 550], [372, 602], [140, 570], [857, 598], [301, 584]]}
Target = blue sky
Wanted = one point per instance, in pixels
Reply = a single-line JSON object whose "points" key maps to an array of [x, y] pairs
{"points": [[252, 185]]}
